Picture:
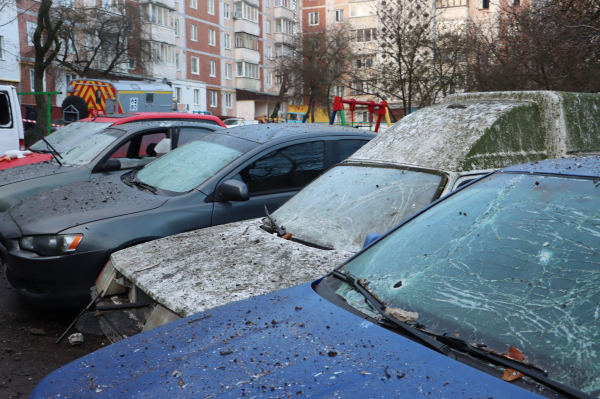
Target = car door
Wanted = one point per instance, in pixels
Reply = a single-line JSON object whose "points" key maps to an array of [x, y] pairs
{"points": [[272, 178]]}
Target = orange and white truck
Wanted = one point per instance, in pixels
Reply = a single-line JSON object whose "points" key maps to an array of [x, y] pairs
{"points": [[89, 98]]}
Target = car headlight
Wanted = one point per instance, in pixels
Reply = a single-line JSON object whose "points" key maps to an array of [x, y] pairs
{"points": [[51, 245]]}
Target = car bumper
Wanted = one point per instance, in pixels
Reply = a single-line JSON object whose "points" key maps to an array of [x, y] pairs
{"points": [[57, 281]]}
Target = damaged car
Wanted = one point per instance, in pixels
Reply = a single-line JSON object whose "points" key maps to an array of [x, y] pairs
{"points": [[421, 158], [54, 245], [492, 291], [95, 147]]}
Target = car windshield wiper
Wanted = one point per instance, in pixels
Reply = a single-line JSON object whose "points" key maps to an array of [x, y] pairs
{"points": [[53, 151], [446, 344], [278, 229], [145, 186]]}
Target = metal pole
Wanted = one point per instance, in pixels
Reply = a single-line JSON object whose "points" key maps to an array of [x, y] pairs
{"points": [[48, 103]]}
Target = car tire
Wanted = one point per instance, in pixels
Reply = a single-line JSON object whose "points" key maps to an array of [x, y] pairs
{"points": [[79, 104]]}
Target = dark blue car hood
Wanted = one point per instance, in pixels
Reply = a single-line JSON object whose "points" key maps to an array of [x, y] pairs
{"points": [[26, 172], [290, 342]]}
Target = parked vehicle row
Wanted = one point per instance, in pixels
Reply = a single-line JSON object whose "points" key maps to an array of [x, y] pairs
{"points": [[423, 262]]}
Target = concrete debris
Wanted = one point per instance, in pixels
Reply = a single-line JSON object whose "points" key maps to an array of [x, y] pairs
{"points": [[76, 339]]}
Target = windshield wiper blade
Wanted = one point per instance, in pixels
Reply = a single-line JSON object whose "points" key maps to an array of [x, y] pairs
{"points": [[425, 339], [145, 186], [529, 370], [53, 151], [280, 231]]}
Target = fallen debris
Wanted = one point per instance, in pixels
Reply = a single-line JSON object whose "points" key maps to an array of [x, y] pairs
{"points": [[36, 331], [402, 315], [76, 339]]}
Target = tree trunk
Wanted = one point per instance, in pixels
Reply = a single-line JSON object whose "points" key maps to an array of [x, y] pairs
{"points": [[40, 104], [282, 91]]}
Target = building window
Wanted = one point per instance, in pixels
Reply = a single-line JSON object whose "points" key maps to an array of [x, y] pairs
{"points": [[339, 16], [164, 52], [284, 26], [194, 4], [313, 18], [227, 41], [269, 52], [1, 47], [278, 79], [269, 79], [245, 40], [228, 102], [227, 71], [245, 11], [31, 27], [131, 63], [268, 3], [363, 35], [213, 68], [194, 33], [158, 15], [363, 9], [176, 28], [226, 11], [339, 91], [248, 70], [196, 65], [177, 61], [268, 26], [450, 3], [365, 61], [177, 94], [211, 7], [213, 98], [31, 79], [196, 97], [212, 37], [283, 3], [483, 4]]}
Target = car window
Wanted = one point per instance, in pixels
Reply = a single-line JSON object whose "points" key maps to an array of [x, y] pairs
{"points": [[349, 147], [148, 139], [290, 168], [142, 155], [122, 151], [187, 134]]}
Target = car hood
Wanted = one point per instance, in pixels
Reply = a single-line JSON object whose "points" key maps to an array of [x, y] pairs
{"points": [[191, 272], [287, 343], [82, 202], [27, 172]]}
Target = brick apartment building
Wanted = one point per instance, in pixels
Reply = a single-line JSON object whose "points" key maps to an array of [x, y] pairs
{"points": [[218, 55]]}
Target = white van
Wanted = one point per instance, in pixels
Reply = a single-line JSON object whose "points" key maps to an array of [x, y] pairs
{"points": [[11, 123]]}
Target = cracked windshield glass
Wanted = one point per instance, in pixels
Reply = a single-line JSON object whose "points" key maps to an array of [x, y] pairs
{"points": [[69, 136], [190, 165], [88, 149], [513, 260], [348, 202]]}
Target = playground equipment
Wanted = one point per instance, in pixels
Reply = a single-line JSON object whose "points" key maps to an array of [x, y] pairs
{"points": [[381, 108]]}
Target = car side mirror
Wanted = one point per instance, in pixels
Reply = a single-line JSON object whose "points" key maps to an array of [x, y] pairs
{"points": [[234, 190], [111, 165], [371, 238]]}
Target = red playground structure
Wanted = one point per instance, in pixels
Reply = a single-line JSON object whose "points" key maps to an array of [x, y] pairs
{"points": [[381, 109]]}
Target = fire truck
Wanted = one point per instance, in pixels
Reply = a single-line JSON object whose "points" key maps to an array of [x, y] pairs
{"points": [[89, 98]]}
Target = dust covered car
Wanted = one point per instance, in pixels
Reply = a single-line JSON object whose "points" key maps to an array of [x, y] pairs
{"points": [[55, 244], [492, 291], [422, 157]]}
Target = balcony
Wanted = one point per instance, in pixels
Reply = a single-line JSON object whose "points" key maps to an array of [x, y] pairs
{"points": [[247, 55], [284, 38], [247, 84], [161, 33], [283, 12], [243, 25], [170, 4]]}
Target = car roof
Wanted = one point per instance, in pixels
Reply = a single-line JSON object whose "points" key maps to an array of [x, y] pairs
{"points": [[139, 125], [118, 119], [483, 131], [575, 166], [265, 132]]}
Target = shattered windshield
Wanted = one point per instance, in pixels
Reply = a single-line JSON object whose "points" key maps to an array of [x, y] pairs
{"points": [[513, 260], [192, 164], [71, 135], [350, 201], [88, 149]]}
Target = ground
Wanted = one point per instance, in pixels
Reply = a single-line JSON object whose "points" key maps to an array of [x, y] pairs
{"points": [[26, 356]]}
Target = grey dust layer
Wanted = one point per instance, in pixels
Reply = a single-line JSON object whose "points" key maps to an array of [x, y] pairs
{"points": [[199, 270]]}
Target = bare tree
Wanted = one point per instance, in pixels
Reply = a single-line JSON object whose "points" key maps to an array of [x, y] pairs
{"points": [[100, 42], [551, 45], [319, 60], [419, 58]]}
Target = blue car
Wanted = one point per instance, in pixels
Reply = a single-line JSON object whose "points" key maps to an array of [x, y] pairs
{"points": [[492, 291]]}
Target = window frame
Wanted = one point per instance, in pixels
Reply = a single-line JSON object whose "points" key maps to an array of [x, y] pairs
{"points": [[228, 71], [194, 32], [213, 96], [210, 6], [196, 95], [212, 37], [212, 68], [228, 101], [313, 18], [339, 16], [197, 63], [194, 4], [226, 11]]}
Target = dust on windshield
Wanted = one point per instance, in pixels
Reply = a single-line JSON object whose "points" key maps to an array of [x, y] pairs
{"points": [[192, 164], [83, 153], [513, 260], [350, 201], [71, 135]]}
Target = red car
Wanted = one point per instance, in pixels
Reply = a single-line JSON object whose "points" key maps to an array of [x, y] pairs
{"points": [[60, 138]]}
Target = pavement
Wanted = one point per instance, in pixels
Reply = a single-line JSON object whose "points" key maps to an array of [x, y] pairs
{"points": [[27, 342]]}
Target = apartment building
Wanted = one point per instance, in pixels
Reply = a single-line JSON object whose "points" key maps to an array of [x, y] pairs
{"points": [[218, 55], [9, 45]]}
